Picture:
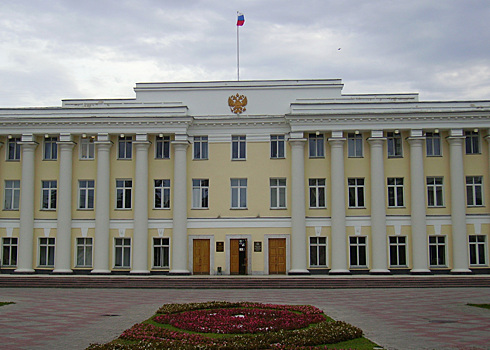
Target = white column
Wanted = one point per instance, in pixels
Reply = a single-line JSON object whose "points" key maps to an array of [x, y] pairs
{"points": [[298, 209], [378, 205], [420, 250], [488, 142], [102, 204], [179, 195], [26, 230], [140, 236], [63, 250], [339, 239], [456, 141]]}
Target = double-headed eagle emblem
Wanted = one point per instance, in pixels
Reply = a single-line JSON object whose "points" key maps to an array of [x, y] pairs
{"points": [[237, 103]]}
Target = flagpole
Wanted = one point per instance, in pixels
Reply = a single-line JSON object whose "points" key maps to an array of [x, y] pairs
{"points": [[237, 52]]}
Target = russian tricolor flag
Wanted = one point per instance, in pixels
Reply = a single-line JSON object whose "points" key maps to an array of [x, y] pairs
{"points": [[241, 19]]}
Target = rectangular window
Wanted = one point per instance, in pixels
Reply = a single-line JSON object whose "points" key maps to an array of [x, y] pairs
{"points": [[162, 147], [46, 251], [278, 193], [49, 189], [277, 146], [161, 252], [474, 191], [433, 144], [9, 251], [318, 251], [12, 195], [435, 191], [394, 145], [437, 251], [395, 191], [86, 191], [124, 190], [318, 193], [122, 250], [162, 194], [238, 193], [472, 142], [316, 146], [125, 147], [238, 147], [50, 148], [478, 248], [356, 192], [200, 193], [13, 148], [84, 252], [354, 145], [358, 252], [398, 251], [87, 148], [200, 147]]}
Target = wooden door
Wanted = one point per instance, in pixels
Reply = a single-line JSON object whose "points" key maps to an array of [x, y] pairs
{"points": [[201, 256], [277, 256], [234, 257]]}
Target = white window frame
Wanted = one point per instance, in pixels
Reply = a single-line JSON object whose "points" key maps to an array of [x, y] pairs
{"points": [[238, 193], [316, 146], [162, 246], [474, 188], [472, 142], [124, 188], [87, 148], [200, 193], [49, 189], [238, 147], [84, 252], [278, 146], [398, 245], [433, 189], [50, 149], [394, 145], [439, 243], [125, 147], [395, 192], [433, 146], [356, 189], [47, 247], [278, 193], [123, 245], [317, 193], [13, 150], [86, 194], [355, 147], [478, 250], [10, 245], [201, 148], [162, 147], [358, 246], [317, 244], [11, 195], [161, 193]]}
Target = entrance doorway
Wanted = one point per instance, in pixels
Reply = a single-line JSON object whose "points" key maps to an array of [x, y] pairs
{"points": [[201, 256], [238, 257], [277, 256]]}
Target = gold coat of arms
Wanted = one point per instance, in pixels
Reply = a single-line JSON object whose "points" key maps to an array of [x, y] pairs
{"points": [[237, 103]]}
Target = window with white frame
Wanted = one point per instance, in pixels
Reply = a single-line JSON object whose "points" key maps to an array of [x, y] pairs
{"points": [[433, 144], [395, 191], [238, 193], [474, 191], [200, 193], [472, 142], [200, 147], [316, 146], [13, 148], [356, 192], [358, 251], [318, 193], [478, 249], [86, 192], [87, 148], [318, 251], [50, 148], [398, 251], [162, 147], [354, 145], [12, 195], [278, 193], [124, 189], [435, 191], [49, 189], [394, 141], [125, 147], [277, 146], [161, 252], [9, 251], [84, 252], [162, 194], [122, 252], [437, 251], [46, 251], [238, 147]]}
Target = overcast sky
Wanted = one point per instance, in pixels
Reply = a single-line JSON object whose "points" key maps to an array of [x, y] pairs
{"points": [[62, 49]]}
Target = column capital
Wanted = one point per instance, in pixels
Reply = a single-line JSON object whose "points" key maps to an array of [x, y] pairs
{"points": [[297, 141], [142, 144], [487, 138], [336, 140], [415, 140], [66, 144], [180, 144], [456, 140], [376, 140]]}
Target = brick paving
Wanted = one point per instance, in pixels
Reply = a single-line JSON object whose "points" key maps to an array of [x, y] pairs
{"points": [[405, 318]]}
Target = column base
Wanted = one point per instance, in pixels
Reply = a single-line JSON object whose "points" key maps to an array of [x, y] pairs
{"points": [[296, 272], [379, 272], [100, 272], [340, 272], [62, 271], [420, 272], [139, 272], [179, 272], [24, 270], [461, 272]]}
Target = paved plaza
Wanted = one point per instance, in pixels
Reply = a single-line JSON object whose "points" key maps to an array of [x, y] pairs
{"points": [[396, 318]]}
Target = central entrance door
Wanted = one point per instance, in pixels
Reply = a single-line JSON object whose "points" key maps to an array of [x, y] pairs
{"points": [[277, 256], [238, 257], [201, 256]]}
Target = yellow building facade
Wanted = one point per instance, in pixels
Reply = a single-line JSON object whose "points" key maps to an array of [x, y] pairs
{"points": [[248, 177]]}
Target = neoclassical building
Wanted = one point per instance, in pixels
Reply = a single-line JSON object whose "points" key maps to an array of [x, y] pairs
{"points": [[248, 177]]}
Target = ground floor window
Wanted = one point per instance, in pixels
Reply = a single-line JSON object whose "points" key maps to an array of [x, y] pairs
{"points": [[437, 251], [9, 251], [398, 251], [122, 254], [84, 252], [318, 251], [161, 249], [478, 248], [46, 251], [358, 252]]}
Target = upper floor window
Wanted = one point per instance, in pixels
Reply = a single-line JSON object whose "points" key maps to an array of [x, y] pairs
{"points": [[49, 189], [200, 193], [13, 148], [200, 147], [12, 195], [318, 192], [162, 147], [239, 193], [87, 148], [394, 145], [356, 192], [474, 191], [316, 146], [354, 145], [278, 193], [238, 147], [435, 191], [162, 194], [50, 148], [86, 191], [395, 191], [433, 144], [124, 190], [125, 147], [472, 142], [277, 146]]}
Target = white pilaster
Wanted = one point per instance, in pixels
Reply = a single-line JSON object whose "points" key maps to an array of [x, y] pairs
{"points": [[140, 245], [298, 209]]}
